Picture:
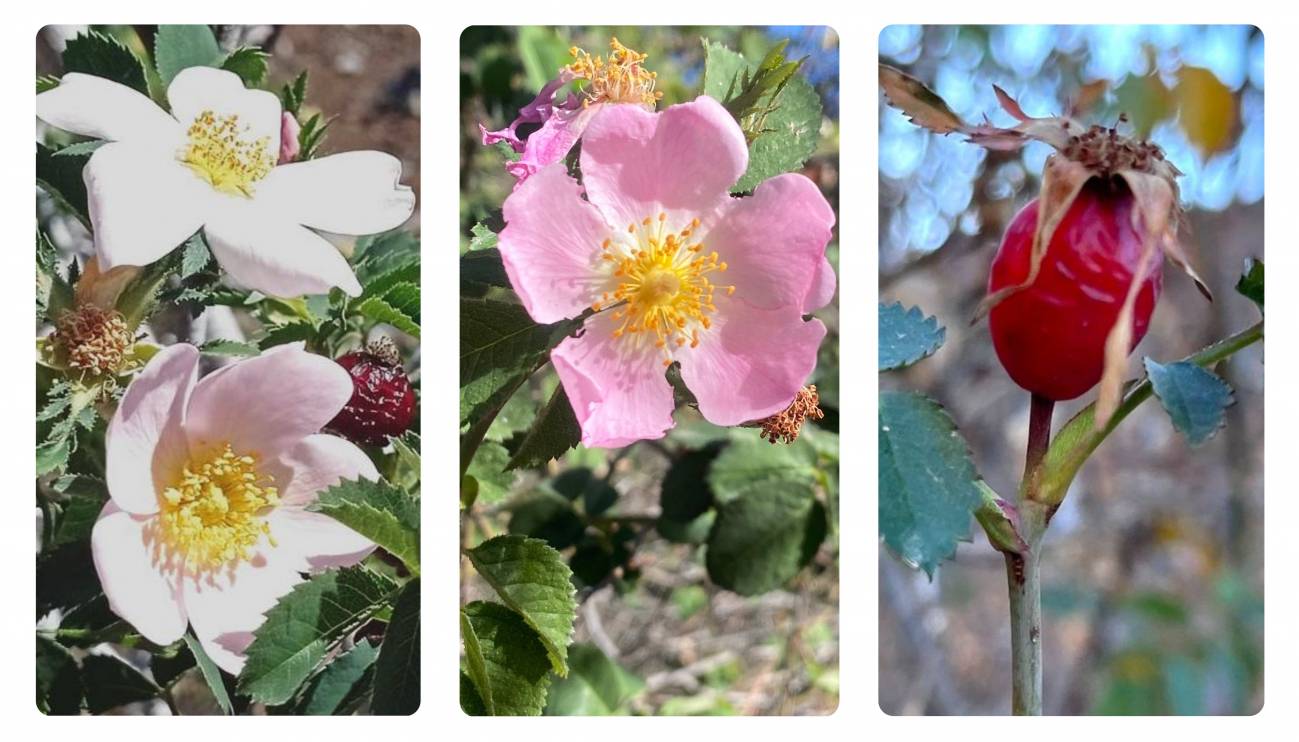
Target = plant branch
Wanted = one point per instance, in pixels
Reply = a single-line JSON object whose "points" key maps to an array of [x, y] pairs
{"points": [[1039, 440], [1025, 590]]}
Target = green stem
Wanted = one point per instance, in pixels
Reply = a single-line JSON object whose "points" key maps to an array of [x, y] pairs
{"points": [[1024, 581]]}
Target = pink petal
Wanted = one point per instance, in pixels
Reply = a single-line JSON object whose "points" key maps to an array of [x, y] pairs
{"points": [[551, 245], [142, 202], [636, 164], [317, 463], [751, 363], [266, 405], [552, 142], [774, 242], [145, 443], [617, 387], [267, 251], [226, 608], [123, 548], [821, 292], [536, 112], [316, 541]]}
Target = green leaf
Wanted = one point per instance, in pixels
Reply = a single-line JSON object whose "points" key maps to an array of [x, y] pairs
{"points": [[302, 627], [232, 348], [481, 270], [1250, 284], [195, 256], [548, 516], [761, 536], [111, 683], [290, 333], [482, 239], [927, 484], [555, 431], [907, 336], [542, 53], [752, 460], [596, 686], [686, 494], [500, 346], [46, 83], [80, 148], [488, 467], [532, 579], [53, 455], [61, 178], [93, 53], [396, 673], [211, 674], [58, 681], [249, 63], [330, 687], [516, 416], [596, 494], [788, 138], [387, 254], [377, 511], [178, 47], [399, 307], [505, 660], [293, 94], [1195, 398]]}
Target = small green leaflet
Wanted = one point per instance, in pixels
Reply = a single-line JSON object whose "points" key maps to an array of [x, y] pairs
{"points": [[1194, 398], [249, 63], [178, 47], [329, 689], [94, 53], [61, 178], [907, 336], [110, 683], [194, 256], [488, 467], [505, 661], [80, 148], [533, 580], [211, 673], [396, 672], [1250, 284], [927, 489], [597, 686], [378, 511], [302, 627], [553, 433], [483, 238], [233, 348]]}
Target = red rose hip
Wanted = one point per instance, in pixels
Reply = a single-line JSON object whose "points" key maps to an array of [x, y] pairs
{"points": [[383, 401], [1050, 336]]}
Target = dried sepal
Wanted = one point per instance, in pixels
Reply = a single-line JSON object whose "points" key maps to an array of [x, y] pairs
{"points": [[1118, 344], [1062, 181], [102, 288], [1155, 193], [922, 106]]}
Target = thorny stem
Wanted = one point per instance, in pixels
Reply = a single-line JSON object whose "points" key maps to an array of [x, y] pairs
{"points": [[1023, 577]]}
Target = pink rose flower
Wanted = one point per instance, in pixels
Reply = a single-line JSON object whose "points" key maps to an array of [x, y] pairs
{"points": [[289, 131], [676, 269], [622, 79], [209, 480]]}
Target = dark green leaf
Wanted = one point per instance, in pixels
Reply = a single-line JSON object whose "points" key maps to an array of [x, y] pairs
{"points": [[331, 686], [500, 346], [249, 63], [548, 516], [685, 494], [906, 336], [760, 538], [178, 47], [1250, 284], [596, 686], [378, 511], [555, 431], [58, 680], [290, 333], [927, 484], [110, 683], [293, 94], [232, 348], [1194, 397], [304, 625], [211, 674], [480, 270], [396, 672], [596, 494], [532, 579], [61, 178], [94, 53], [506, 661]]}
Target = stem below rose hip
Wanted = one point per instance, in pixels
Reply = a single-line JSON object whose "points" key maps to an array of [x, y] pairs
{"points": [[1023, 577]]}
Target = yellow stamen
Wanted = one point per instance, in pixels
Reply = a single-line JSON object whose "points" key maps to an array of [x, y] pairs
{"points": [[220, 153], [620, 79]]}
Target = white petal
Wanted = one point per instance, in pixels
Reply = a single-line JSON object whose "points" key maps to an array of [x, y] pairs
{"points": [[349, 193], [270, 253], [315, 540], [145, 444], [143, 203], [226, 608], [97, 107], [122, 547], [198, 89]]}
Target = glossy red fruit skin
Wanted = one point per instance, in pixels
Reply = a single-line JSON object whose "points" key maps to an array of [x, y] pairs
{"points": [[1050, 337], [382, 403]]}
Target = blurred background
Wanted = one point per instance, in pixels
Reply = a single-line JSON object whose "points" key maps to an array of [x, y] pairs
{"points": [[683, 645], [1153, 568]]}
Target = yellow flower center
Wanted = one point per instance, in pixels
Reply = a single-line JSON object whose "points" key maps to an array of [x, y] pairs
{"points": [[620, 79], [660, 285], [212, 514], [220, 153]]}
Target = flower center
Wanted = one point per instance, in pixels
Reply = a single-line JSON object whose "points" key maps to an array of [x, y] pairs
{"points": [[661, 284], [621, 79], [212, 514], [95, 340], [220, 153]]}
